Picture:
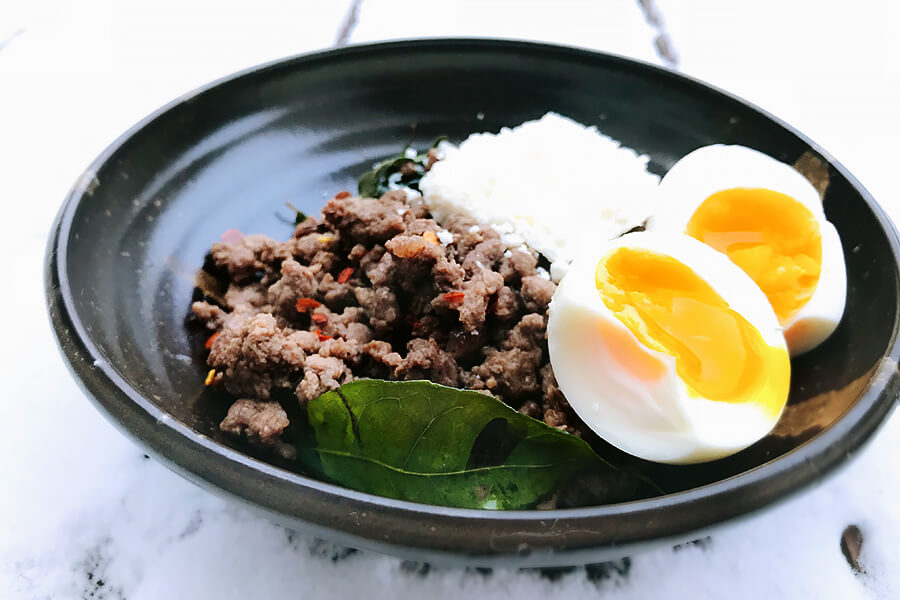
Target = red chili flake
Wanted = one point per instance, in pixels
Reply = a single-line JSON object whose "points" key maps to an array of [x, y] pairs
{"points": [[306, 304], [413, 322], [341, 195], [344, 276], [454, 297], [322, 336], [319, 318], [212, 338]]}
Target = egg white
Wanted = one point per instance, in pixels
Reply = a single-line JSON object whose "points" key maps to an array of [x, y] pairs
{"points": [[659, 421], [711, 169]]}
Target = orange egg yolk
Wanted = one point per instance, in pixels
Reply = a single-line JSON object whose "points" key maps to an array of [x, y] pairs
{"points": [[772, 237], [718, 354]]}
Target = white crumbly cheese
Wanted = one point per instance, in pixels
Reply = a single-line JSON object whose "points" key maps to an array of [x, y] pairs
{"points": [[553, 184], [445, 237]]}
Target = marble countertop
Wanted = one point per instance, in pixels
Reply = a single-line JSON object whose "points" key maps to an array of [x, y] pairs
{"points": [[84, 514]]}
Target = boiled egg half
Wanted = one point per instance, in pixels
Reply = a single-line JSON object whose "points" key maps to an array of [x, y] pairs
{"points": [[667, 349], [768, 219]]}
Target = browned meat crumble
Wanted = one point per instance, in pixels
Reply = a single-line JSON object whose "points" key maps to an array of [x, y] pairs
{"points": [[375, 288]]}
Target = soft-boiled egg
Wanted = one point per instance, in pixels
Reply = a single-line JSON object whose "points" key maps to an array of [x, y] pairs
{"points": [[667, 349], [769, 220]]}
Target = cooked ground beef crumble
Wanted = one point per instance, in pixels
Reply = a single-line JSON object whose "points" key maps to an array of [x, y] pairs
{"points": [[376, 288]]}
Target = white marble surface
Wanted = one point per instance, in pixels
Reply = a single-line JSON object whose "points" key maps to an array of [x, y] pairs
{"points": [[84, 515]]}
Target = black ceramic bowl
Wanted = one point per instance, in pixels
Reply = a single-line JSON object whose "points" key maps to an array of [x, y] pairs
{"points": [[130, 236]]}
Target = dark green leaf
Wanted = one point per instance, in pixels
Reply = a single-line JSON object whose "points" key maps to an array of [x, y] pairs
{"points": [[423, 442], [299, 215], [496, 442], [368, 184], [387, 174]]}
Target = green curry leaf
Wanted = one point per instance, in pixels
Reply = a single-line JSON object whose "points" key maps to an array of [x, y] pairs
{"points": [[418, 441], [405, 170]]}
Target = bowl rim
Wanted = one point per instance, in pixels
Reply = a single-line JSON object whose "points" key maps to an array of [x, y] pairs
{"points": [[692, 510]]}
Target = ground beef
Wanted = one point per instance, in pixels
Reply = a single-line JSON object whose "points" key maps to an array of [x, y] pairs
{"points": [[365, 220], [297, 281], [506, 304], [512, 371], [537, 292], [252, 295], [517, 264], [209, 314], [250, 256], [425, 360], [376, 288], [255, 354], [323, 373], [261, 422], [382, 353]]}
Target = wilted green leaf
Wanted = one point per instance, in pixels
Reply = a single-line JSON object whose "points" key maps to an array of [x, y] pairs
{"points": [[388, 175]]}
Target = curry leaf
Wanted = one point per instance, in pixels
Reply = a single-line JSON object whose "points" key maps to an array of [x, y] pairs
{"points": [[405, 170], [394, 173], [423, 442], [299, 215]]}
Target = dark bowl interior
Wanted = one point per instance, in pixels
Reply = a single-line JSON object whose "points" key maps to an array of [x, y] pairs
{"points": [[134, 231]]}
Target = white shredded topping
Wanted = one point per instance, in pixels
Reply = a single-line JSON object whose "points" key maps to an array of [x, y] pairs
{"points": [[513, 239], [558, 270], [543, 273], [474, 229], [445, 237]]}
